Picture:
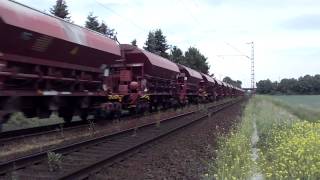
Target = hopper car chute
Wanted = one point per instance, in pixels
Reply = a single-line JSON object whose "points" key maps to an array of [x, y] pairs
{"points": [[142, 80]]}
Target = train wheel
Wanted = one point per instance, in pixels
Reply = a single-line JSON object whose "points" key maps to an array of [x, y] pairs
{"points": [[4, 117], [66, 114], [84, 114]]}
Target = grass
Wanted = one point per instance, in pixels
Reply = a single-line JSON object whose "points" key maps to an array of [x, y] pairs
{"points": [[304, 107], [230, 164], [311, 101], [288, 146]]}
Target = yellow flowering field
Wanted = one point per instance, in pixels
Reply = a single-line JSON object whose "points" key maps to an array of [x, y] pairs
{"points": [[292, 152], [288, 148]]}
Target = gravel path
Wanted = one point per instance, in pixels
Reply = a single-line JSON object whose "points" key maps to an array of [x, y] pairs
{"points": [[182, 155]]}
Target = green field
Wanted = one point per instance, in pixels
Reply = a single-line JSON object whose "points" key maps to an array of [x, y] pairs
{"points": [[305, 107], [278, 138], [310, 101]]}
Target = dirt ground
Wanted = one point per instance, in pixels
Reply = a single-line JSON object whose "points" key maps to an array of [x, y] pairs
{"points": [[182, 155]]}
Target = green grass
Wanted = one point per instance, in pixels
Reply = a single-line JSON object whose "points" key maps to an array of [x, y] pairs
{"points": [[288, 146], [230, 164], [310, 101], [304, 107]]}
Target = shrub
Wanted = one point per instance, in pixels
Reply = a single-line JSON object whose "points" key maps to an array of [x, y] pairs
{"points": [[54, 161]]}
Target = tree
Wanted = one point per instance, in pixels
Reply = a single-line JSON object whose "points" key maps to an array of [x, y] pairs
{"points": [[238, 83], [157, 43], [93, 23], [228, 80], [306, 84], [104, 29], [288, 86], [195, 60], [264, 87], [303, 85], [60, 9], [134, 42], [176, 55]]}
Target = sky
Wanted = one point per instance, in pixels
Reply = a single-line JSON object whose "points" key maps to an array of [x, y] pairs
{"points": [[285, 32]]}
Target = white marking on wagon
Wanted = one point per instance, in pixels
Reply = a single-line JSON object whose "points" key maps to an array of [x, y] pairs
{"points": [[50, 93]]}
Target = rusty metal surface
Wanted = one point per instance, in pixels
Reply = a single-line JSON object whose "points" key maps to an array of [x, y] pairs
{"points": [[208, 78], [44, 36], [26, 18], [192, 73], [219, 82], [154, 64]]}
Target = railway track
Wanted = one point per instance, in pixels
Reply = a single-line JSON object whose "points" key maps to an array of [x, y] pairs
{"points": [[81, 159], [13, 135], [37, 131]]}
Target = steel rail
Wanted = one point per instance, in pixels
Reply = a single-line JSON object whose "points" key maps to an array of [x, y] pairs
{"points": [[98, 151]]}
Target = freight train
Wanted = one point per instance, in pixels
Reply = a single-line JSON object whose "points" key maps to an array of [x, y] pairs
{"points": [[50, 65]]}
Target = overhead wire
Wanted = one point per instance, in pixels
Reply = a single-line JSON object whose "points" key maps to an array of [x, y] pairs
{"points": [[141, 29]]}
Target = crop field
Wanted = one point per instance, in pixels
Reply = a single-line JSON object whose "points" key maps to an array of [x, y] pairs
{"points": [[306, 107], [309, 101], [271, 142]]}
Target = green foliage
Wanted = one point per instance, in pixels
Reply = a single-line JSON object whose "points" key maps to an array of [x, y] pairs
{"points": [[192, 58], [234, 159], [288, 146], [104, 29], [303, 85], [134, 42], [157, 43], [176, 55], [60, 9], [228, 80], [264, 87], [54, 161], [92, 23], [195, 60]]}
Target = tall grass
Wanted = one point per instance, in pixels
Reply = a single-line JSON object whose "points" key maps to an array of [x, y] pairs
{"points": [[234, 159], [288, 147]]}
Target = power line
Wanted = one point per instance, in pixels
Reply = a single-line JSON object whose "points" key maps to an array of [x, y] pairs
{"points": [[124, 18], [190, 12], [236, 49]]}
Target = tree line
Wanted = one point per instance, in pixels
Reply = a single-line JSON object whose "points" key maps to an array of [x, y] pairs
{"points": [[304, 85]]}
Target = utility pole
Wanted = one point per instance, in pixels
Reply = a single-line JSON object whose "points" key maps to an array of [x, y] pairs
{"points": [[252, 65], [243, 55]]}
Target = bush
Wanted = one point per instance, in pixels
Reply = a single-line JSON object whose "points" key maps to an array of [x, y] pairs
{"points": [[54, 161]]}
